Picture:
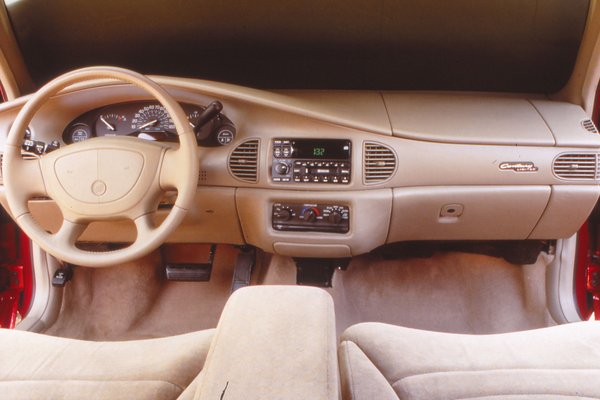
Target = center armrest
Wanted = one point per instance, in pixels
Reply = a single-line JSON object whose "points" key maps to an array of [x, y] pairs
{"points": [[273, 342]]}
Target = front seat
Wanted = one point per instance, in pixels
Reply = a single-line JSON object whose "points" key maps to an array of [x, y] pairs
{"points": [[35, 366], [272, 342], [386, 362]]}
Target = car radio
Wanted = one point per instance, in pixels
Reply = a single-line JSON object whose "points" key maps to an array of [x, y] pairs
{"points": [[311, 160]]}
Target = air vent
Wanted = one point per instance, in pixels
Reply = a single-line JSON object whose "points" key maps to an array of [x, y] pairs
{"points": [[380, 163], [589, 126], [577, 166], [243, 161]]}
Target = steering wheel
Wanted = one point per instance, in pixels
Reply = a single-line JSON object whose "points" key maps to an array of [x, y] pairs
{"points": [[102, 179]]}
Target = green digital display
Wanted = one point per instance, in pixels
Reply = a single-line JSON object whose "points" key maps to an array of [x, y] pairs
{"points": [[319, 151]]}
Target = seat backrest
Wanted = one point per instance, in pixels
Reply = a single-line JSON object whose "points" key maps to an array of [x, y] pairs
{"points": [[273, 342]]}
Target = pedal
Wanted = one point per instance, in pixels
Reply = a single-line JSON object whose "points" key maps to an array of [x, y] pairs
{"points": [[244, 264], [62, 276], [318, 271], [191, 272]]}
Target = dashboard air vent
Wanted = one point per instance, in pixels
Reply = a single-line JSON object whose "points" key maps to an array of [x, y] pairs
{"points": [[243, 161], [589, 126], [380, 163], [577, 166]]}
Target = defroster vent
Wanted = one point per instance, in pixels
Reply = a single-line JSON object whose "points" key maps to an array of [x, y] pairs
{"points": [[577, 166], [589, 126], [379, 164], [243, 161]]}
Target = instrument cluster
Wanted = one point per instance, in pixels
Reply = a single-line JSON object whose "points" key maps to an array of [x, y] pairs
{"points": [[144, 119]]}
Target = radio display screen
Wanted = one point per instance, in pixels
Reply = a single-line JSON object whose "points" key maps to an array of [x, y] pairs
{"points": [[326, 149]]}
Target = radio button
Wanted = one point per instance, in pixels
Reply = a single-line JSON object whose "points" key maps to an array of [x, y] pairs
{"points": [[277, 151]]}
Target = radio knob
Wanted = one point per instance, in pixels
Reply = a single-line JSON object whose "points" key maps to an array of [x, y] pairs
{"points": [[309, 215], [335, 217], [282, 168]]}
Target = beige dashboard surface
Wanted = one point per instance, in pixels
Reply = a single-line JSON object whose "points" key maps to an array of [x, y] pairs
{"points": [[493, 154]]}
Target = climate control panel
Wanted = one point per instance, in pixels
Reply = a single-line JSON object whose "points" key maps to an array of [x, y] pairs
{"points": [[311, 217]]}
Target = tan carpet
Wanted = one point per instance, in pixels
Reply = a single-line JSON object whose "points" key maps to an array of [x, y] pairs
{"points": [[135, 300], [452, 292]]}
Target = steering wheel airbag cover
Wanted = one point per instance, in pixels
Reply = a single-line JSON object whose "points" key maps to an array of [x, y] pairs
{"points": [[99, 176]]}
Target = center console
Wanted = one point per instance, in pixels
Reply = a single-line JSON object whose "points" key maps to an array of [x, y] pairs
{"points": [[313, 161]]}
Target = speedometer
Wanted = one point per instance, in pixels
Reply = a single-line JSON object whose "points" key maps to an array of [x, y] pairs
{"points": [[152, 118]]}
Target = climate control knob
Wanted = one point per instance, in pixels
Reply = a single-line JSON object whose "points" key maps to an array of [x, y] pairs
{"points": [[309, 215], [335, 217], [284, 214]]}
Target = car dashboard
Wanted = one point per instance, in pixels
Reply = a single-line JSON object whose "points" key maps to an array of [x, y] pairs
{"points": [[340, 173]]}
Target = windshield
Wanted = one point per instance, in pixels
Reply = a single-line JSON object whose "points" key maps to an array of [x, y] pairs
{"points": [[492, 45]]}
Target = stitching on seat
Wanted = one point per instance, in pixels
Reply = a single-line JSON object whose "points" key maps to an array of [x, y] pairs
{"points": [[528, 394], [493, 370], [371, 361], [92, 380], [377, 368], [349, 364]]}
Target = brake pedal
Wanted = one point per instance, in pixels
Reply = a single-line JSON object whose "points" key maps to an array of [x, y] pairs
{"points": [[191, 272]]}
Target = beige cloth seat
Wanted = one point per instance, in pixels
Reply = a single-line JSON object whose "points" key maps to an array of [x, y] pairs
{"points": [[272, 342], [34, 366], [386, 362]]}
